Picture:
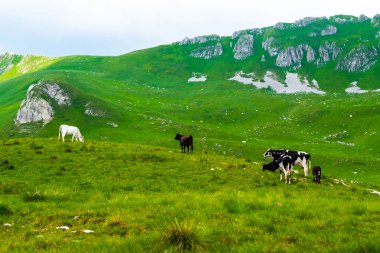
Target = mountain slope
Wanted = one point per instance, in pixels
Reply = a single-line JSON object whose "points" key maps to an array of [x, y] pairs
{"points": [[145, 96]]}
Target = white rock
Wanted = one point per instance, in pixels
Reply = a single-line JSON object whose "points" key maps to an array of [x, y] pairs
{"points": [[243, 47], [207, 52], [7, 225], [63, 227], [88, 231]]}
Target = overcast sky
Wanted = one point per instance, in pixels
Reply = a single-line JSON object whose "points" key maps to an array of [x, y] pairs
{"points": [[114, 27]]}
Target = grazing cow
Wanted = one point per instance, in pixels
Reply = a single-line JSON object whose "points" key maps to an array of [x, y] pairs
{"points": [[286, 165], [70, 130], [273, 166], [317, 172], [299, 157], [185, 141]]}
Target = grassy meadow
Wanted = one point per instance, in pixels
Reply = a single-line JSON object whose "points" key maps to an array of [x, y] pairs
{"points": [[137, 198], [128, 188]]}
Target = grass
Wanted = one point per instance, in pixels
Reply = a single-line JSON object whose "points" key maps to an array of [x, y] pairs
{"points": [[130, 184], [140, 198]]}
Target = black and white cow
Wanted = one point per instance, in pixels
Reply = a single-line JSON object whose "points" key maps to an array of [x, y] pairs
{"points": [[317, 172], [273, 166], [286, 164], [298, 157]]}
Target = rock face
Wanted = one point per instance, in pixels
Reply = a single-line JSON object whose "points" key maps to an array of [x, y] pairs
{"points": [[327, 51], [243, 47], [35, 107], [279, 26], [329, 30], [377, 36], [376, 20], [268, 46], [292, 56], [199, 39], [305, 21], [359, 59], [207, 52], [363, 18]]}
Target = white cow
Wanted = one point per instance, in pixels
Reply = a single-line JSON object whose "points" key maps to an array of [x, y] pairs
{"points": [[70, 130]]}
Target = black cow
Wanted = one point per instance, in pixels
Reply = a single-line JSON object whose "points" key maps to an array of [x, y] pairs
{"points": [[298, 157], [273, 166], [185, 141], [317, 172]]}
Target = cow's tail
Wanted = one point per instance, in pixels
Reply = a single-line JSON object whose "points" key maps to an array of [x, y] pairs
{"points": [[191, 143], [308, 161]]}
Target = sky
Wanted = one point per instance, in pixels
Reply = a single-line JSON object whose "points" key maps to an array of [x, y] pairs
{"points": [[114, 27]]}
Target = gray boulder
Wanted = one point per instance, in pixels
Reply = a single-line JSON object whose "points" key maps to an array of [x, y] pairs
{"points": [[207, 52], [243, 47], [376, 20], [329, 30], [359, 59]]}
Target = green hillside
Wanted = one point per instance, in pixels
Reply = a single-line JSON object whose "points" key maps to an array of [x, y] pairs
{"points": [[129, 109]]}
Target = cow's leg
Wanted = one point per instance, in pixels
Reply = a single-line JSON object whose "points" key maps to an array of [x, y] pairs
{"points": [[72, 139], [305, 168], [63, 137], [280, 174], [59, 133]]}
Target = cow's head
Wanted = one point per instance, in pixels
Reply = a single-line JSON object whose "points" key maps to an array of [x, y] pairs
{"points": [[177, 137], [81, 138], [269, 152]]}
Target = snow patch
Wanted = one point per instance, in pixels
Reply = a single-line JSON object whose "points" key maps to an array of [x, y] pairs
{"points": [[197, 77], [293, 84], [355, 89]]}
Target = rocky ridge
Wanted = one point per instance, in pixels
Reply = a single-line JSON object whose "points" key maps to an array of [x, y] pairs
{"points": [[37, 106]]}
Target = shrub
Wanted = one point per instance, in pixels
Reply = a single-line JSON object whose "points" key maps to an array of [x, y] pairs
{"points": [[182, 236], [34, 196], [5, 210]]}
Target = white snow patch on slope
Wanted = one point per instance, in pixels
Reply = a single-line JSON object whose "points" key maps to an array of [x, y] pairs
{"points": [[197, 78], [355, 89], [293, 84]]}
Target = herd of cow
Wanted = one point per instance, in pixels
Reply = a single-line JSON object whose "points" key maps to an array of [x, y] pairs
{"points": [[282, 159]]}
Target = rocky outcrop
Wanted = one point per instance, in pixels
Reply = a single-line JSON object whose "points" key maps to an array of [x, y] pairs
{"points": [[6, 62], [292, 56], [312, 34], [243, 47], [268, 46], [363, 18], [279, 26], [207, 52], [359, 59], [329, 30], [327, 52], [254, 31], [377, 36], [37, 104], [93, 110], [376, 20], [199, 39], [305, 21]]}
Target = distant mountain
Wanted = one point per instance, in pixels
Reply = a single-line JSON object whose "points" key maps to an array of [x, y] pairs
{"points": [[317, 56]]}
